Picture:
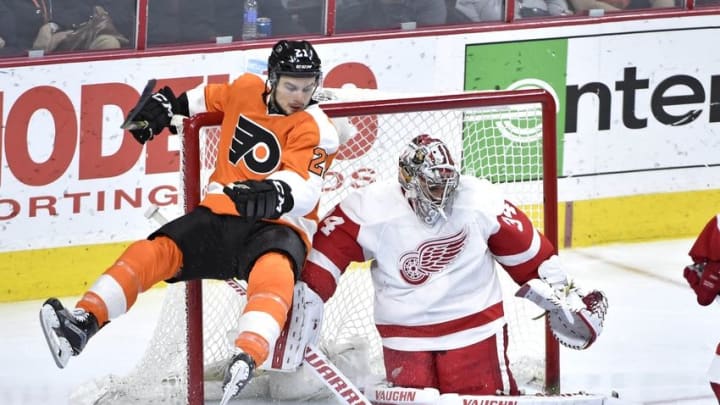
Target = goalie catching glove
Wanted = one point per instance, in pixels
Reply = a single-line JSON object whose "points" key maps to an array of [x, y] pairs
{"points": [[260, 199], [576, 316]]}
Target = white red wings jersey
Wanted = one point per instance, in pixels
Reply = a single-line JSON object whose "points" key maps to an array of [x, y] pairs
{"points": [[255, 144], [435, 288], [707, 244]]}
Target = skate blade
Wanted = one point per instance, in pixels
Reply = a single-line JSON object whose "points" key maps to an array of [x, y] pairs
{"points": [[59, 346], [230, 390], [227, 396]]}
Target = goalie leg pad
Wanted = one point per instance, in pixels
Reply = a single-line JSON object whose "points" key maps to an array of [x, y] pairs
{"points": [[384, 394], [302, 328]]}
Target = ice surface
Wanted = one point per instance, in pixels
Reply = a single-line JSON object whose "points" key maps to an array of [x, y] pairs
{"points": [[655, 349]]}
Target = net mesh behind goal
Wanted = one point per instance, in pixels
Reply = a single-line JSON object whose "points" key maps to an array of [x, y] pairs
{"points": [[506, 137]]}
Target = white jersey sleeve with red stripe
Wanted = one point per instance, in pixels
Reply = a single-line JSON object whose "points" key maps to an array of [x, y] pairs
{"points": [[430, 282]]}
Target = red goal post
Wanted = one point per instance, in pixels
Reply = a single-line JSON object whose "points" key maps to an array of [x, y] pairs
{"points": [[496, 102]]}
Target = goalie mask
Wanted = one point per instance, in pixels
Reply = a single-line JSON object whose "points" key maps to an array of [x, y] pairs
{"points": [[429, 178]]}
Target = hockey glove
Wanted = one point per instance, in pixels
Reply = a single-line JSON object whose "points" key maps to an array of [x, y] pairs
{"points": [[260, 199], [704, 278], [156, 112]]}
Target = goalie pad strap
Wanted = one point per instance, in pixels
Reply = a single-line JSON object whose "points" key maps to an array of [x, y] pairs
{"points": [[301, 329]]}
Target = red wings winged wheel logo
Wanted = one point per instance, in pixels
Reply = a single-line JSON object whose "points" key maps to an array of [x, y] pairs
{"points": [[430, 257]]}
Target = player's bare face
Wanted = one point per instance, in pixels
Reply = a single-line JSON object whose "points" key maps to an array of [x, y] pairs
{"points": [[292, 94]]}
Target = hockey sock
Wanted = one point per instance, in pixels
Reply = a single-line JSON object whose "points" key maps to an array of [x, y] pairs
{"points": [[143, 264], [270, 292], [254, 345]]}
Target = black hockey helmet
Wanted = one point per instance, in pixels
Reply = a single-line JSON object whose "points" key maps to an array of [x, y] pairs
{"points": [[293, 58]]}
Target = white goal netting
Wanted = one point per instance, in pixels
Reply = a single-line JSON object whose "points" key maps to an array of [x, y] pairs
{"points": [[498, 140]]}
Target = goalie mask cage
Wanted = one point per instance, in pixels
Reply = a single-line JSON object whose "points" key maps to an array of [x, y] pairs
{"points": [[507, 137]]}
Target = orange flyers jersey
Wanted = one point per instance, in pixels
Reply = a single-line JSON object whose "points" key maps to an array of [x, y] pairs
{"points": [[255, 145]]}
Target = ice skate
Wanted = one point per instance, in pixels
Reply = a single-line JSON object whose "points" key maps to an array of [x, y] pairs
{"points": [[66, 332], [237, 375]]}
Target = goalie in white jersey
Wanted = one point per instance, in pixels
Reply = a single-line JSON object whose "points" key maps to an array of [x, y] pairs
{"points": [[434, 240]]}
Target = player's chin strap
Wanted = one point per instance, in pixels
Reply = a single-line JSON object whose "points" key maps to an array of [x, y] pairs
{"points": [[576, 316]]}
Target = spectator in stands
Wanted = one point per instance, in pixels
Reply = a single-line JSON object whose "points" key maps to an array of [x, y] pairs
{"points": [[475, 10], [123, 13], [492, 10], [19, 24], [9, 41], [619, 5], [542, 8], [37, 25]]}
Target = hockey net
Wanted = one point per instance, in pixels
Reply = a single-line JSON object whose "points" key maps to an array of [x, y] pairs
{"points": [[507, 137]]}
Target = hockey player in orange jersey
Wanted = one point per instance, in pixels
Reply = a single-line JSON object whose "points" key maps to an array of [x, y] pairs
{"points": [[704, 278], [255, 223]]}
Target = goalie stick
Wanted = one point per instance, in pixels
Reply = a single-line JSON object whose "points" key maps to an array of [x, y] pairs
{"points": [[130, 123], [341, 386]]}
